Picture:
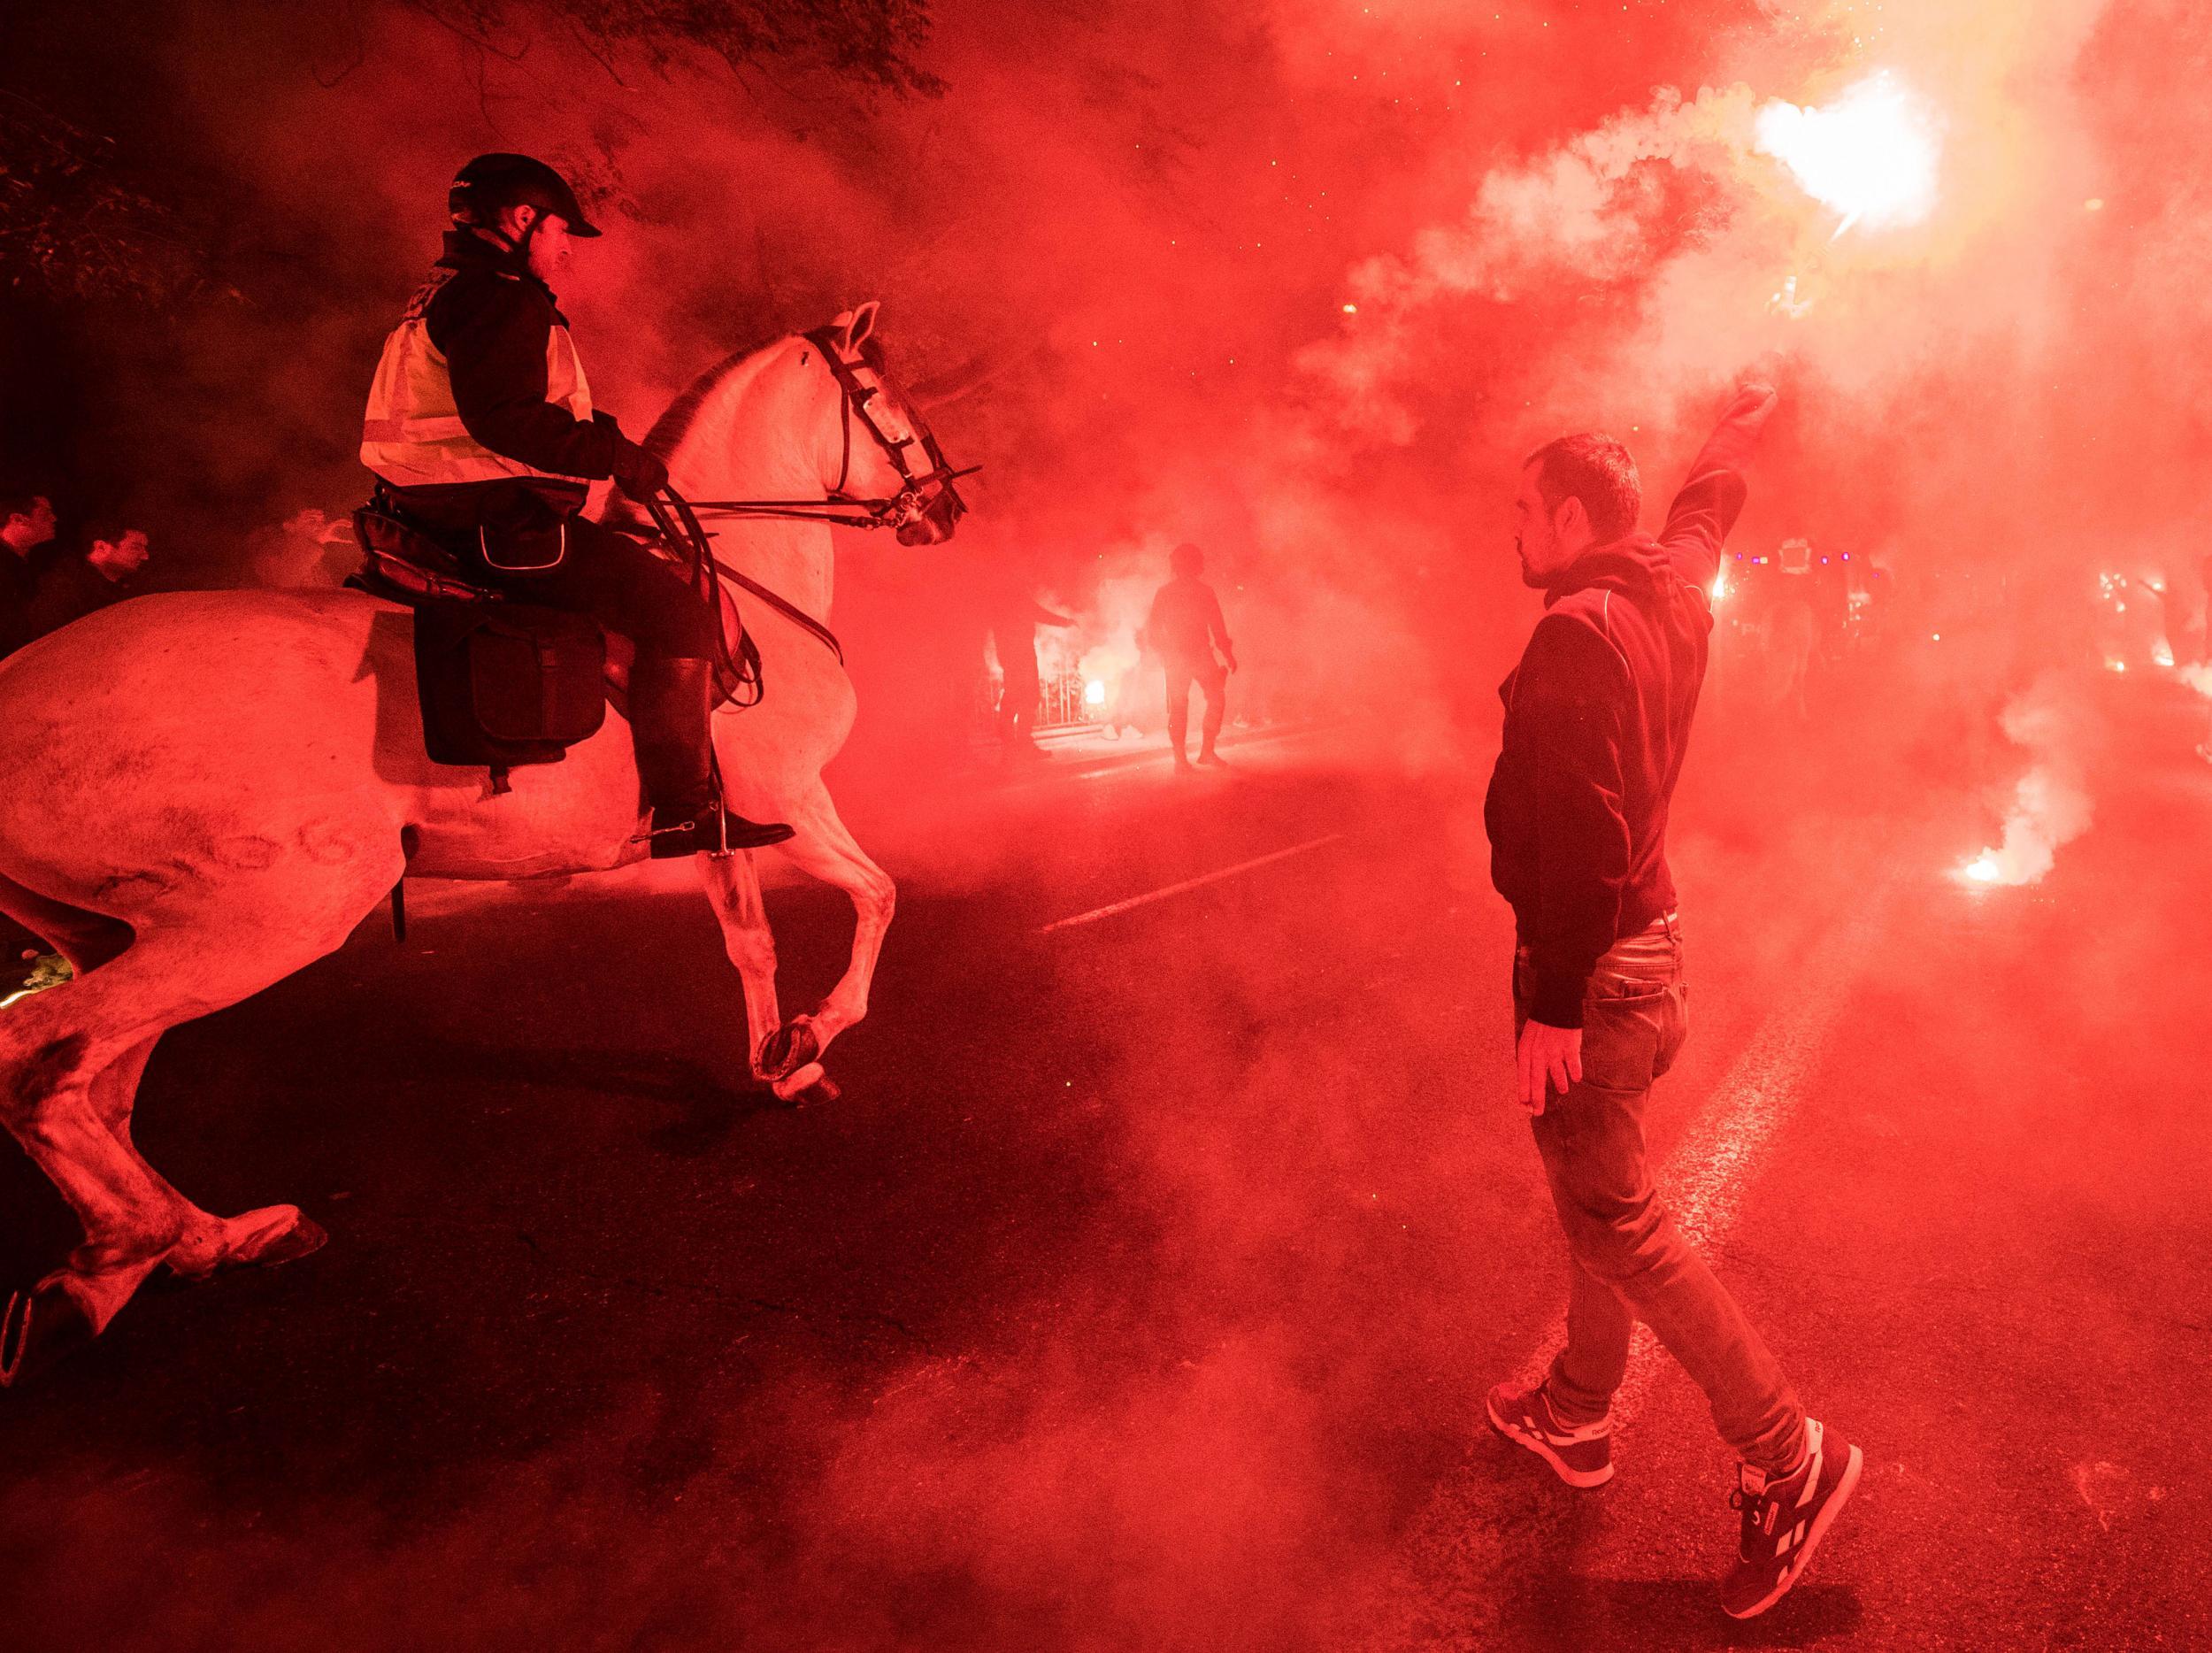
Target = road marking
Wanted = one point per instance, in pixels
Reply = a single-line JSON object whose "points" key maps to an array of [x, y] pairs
{"points": [[1704, 1181], [1095, 914], [1140, 757]]}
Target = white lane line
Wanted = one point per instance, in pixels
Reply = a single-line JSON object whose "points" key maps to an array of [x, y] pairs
{"points": [[1722, 1154], [1095, 914]]}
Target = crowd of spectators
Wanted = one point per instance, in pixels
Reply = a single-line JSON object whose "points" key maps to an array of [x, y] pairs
{"points": [[47, 582]]}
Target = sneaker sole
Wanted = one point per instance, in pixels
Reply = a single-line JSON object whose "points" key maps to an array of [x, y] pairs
{"points": [[1798, 1567], [1582, 1478]]}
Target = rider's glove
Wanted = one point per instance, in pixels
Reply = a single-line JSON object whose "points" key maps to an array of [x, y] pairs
{"points": [[639, 474]]}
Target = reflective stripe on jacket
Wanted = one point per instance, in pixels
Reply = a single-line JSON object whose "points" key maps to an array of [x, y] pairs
{"points": [[413, 434]]}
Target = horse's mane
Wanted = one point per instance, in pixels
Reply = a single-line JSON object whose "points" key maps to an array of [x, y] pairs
{"points": [[673, 426]]}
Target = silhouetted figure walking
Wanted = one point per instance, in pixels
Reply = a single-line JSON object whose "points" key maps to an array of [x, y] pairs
{"points": [[1014, 622], [1186, 629]]}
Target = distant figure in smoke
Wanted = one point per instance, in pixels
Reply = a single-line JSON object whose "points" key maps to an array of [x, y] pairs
{"points": [[1014, 622], [1597, 716], [2204, 646], [26, 524], [2204, 628], [106, 572], [481, 423], [1186, 629], [1789, 628], [1127, 712]]}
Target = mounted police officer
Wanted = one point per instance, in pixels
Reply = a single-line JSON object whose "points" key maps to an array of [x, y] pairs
{"points": [[480, 424]]}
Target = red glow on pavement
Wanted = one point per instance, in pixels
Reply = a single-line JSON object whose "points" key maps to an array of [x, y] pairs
{"points": [[1142, 1287]]}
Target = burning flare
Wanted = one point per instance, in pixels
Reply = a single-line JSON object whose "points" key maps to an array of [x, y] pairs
{"points": [[1870, 154], [2051, 805]]}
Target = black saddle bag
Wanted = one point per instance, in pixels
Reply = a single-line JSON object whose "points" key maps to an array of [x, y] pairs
{"points": [[503, 684]]}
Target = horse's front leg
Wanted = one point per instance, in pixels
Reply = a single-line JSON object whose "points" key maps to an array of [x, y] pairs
{"points": [[779, 1057], [824, 848]]}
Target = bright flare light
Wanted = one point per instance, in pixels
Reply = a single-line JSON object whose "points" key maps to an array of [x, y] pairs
{"points": [[1983, 869], [1094, 693], [1870, 154]]}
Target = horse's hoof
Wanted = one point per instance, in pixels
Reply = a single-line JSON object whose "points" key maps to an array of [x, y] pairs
{"points": [[40, 1326], [273, 1234], [821, 1093], [787, 1049], [793, 1086]]}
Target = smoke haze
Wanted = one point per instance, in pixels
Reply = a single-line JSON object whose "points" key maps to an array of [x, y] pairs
{"points": [[1302, 281]]}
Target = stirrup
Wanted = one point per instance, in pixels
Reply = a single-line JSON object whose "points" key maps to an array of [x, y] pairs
{"points": [[719, 834]]}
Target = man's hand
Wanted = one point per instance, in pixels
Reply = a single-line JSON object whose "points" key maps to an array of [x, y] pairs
{"points": [[1547, 1054], [1755, 400], [641, 474]]}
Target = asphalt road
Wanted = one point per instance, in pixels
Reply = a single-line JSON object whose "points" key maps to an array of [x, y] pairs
{"points": [[1142, 1288]]}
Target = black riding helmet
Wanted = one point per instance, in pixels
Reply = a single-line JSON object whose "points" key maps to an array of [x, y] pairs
{"points": [[491, 183]]}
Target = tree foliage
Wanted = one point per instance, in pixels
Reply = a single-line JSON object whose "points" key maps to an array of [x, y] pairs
{"points": [[73, 227], [75, 224], [868, 41]]}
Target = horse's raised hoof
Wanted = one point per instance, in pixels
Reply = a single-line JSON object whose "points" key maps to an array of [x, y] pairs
{"points": [[821, 1093], [40, 1326], [787, 1049], [798, 1086], [273, 1234]]}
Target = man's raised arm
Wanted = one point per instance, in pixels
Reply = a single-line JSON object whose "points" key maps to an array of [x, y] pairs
{"points": [[1707, 508]]}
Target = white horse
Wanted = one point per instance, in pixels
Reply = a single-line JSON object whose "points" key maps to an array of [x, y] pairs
{"points": [[204, 792]]}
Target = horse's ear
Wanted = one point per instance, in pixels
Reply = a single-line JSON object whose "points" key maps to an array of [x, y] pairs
{"points": [[858, 325]]}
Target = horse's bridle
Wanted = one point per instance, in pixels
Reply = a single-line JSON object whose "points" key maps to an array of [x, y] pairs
{"points": [[919, 491]]}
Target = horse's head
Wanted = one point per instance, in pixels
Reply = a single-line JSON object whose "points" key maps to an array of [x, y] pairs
{"points": [[882, 455]]}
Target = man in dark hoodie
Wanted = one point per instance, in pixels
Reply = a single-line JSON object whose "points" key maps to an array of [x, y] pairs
{"points": [[1597, 716]]}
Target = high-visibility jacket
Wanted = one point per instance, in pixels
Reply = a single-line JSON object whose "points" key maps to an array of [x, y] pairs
{"points": [[413, 434]]}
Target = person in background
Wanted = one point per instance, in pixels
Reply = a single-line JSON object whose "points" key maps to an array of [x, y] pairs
{"points": [[2204, 648], [1014, 618], [1597, 719], [1125, 707], [27, 530], [26, 524], [2204, 631], [70, 588], [1186, 629]]}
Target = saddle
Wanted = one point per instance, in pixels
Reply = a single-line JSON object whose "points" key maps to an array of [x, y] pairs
{"points": [[501, 683]]}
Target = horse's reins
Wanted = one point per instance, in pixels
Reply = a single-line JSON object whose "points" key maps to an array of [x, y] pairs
{"points": [[677, 518], [784, 606], [854, 398], [675, 521]]}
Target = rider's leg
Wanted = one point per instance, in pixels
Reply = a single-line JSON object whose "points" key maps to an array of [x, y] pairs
{"points": [[671, 684]]}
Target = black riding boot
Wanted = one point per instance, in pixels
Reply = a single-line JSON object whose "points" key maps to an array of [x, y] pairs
{"points": [[670, 707]]}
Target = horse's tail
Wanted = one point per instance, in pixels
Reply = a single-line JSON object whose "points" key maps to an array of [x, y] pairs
{"points": [[85, 938]]}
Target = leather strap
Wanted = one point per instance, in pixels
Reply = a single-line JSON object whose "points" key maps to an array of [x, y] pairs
{"points": [[790, 611]]}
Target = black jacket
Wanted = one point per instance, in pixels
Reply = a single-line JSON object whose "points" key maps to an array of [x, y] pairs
{"points": [[69, 588], [19, 584], [491, 319], [1185, 625], [1597, 719]]}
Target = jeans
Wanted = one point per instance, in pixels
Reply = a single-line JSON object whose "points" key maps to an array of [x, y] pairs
{"points": [[1211, 676], [1627, 1261]]}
